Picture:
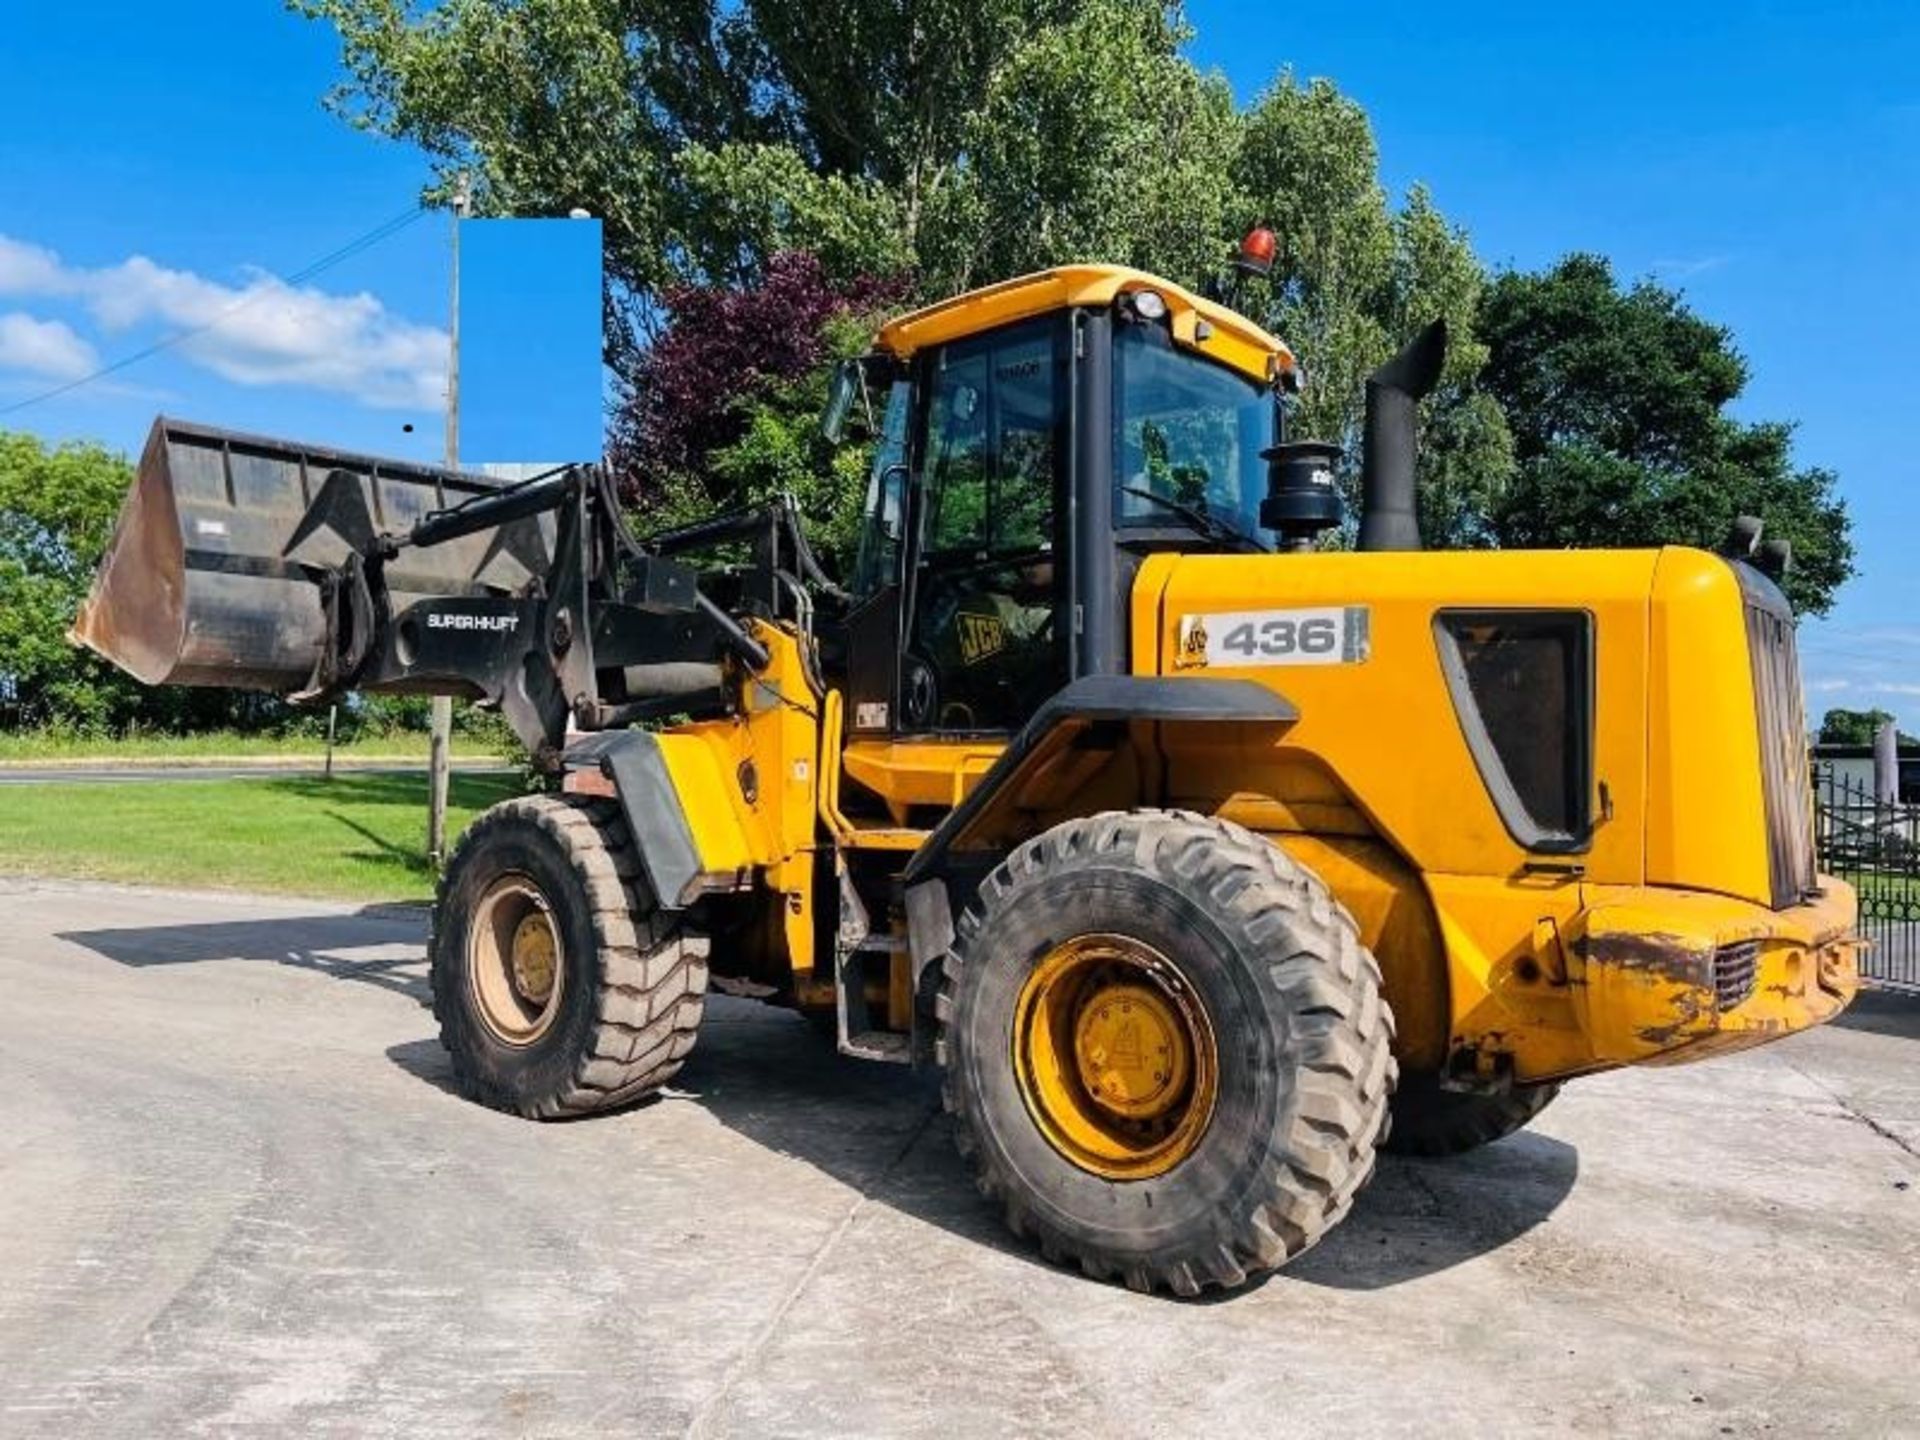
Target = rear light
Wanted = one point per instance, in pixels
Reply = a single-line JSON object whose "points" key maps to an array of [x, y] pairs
{"points": [[1257, 251]]}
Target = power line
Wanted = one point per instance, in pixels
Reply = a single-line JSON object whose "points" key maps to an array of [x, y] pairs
{"points": [[384, 230]]}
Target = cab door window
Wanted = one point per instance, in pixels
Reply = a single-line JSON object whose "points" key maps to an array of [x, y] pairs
{"points": [[878, 562], [983, 648]]}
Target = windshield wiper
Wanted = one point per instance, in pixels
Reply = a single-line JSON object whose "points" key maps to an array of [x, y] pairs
{"points": [[1197, 519]]}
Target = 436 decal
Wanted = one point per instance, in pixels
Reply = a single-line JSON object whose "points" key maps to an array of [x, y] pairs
{"points": [[1320, 635]]}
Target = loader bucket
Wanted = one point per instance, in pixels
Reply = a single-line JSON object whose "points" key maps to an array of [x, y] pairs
{"points": [[213, 574]]}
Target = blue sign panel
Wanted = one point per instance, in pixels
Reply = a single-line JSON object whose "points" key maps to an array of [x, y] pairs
{"points": [[530, 372]]}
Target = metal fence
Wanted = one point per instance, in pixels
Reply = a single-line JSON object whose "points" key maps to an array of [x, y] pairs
{"points": [[1875, 847]]}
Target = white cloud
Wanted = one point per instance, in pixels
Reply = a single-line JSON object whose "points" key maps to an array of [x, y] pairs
{"points": [[46, 348], [260, 332], [29, 270]]}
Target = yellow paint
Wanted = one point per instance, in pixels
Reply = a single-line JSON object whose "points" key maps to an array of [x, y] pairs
{"points": [[1198, 324], [1484, 947], [535, 956], [1644, 967], [773, 741], [920, 772], [1703, 750], [1379, 752], [1386, 727], [722, 827], [1149, 583]]}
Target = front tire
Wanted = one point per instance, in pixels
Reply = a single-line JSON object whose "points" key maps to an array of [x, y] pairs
{"points": [[1166, 1049], [559, 988]]}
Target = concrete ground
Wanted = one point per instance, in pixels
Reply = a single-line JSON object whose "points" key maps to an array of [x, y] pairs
{"points": [[236, 1196]]}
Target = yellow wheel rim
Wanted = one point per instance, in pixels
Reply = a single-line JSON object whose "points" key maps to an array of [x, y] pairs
{"points": [[1115, 1057], [514, 968]]}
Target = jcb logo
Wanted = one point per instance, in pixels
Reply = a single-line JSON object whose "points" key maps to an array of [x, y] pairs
{"points": [[980, 637], [1191, 653]]}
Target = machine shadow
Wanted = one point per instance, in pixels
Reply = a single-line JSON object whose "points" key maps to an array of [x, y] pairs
{"points": [[1894, 1013], [1419, 1217], [377, 945], [766, 1075], [473, 790]]}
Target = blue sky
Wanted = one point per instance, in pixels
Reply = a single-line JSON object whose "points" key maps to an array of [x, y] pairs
{"points": [[159, 162]]}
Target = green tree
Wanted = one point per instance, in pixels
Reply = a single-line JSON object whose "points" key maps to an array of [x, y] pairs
{"points": [[57, 507], [953, 143], [1354, 279], [1617, 402], [1096, 140], [1855, 727], [708, 136]]}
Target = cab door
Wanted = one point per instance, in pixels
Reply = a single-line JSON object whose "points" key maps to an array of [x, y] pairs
{"points": [[983, 642], [872, 626]]}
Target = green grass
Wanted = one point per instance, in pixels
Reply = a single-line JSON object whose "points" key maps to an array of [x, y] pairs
{"points": [[57, 745], [1885, 886], [355, 837]]}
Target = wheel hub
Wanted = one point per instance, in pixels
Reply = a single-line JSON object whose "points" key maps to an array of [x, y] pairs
{"points": [[1132, 1050], [1115, 1057], [515, 961], [534, 953]]}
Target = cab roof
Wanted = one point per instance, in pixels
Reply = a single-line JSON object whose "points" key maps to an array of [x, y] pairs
{"points": [[1197, 323]]}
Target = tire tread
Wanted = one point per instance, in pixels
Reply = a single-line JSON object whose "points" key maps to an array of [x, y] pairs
{"points": [[652, 975], [1345, 1069]]}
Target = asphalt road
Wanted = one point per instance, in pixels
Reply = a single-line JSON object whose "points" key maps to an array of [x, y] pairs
{"points": [[237, 1197], [124, 774]]}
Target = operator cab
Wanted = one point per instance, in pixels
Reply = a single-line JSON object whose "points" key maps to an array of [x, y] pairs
{"points": [[1038, 439]]}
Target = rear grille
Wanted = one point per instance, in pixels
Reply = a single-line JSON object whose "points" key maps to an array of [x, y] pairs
{"points": [[1733, 968], [1783, 751]]}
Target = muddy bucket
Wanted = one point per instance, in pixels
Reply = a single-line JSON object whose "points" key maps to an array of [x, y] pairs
{"points": [[213, 576]]}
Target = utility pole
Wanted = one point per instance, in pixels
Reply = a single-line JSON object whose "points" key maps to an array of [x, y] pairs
{"points": [[1886, 763], [440, 741]]}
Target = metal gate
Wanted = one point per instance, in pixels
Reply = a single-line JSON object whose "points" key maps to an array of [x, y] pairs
{"points": [[1875, 847]]}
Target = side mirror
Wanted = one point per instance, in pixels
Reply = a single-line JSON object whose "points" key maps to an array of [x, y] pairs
{"points": [[847, 383]]}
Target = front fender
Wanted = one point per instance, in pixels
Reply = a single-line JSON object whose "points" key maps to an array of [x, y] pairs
{"points": [[673, 793], [1074, 736]]}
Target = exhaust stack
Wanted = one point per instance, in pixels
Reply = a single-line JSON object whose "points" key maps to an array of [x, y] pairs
{"points": [[1389, 519]]}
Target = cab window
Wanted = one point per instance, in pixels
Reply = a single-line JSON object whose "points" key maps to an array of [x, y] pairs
{"points": [[1187, 432]]}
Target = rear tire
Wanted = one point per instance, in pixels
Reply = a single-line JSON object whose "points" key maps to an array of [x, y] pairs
{"points": [[1433, 1122], [1290, 1050], [559, 988]]}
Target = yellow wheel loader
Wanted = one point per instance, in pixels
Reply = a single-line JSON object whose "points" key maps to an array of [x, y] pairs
{"points": [[1204, 861]]}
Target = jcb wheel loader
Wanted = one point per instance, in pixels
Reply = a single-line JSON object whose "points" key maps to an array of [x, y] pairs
{"points": [[1203, 860]]}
